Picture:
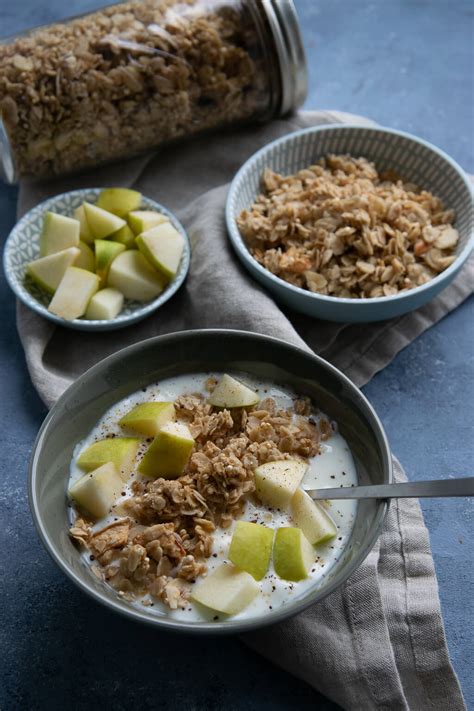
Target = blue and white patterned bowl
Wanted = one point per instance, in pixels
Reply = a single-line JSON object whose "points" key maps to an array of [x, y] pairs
{"points": [[415, 160], [22, 246]]}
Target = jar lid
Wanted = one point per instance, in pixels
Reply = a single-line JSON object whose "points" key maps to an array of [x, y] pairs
{"points": [[285, 28]]}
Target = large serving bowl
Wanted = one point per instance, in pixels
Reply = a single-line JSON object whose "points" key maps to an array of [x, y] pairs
{"points": [[137, 366], [414, 160]]}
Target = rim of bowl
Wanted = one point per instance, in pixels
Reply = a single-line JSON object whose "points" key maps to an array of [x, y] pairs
{"points": [[119, 321], [242, 250], [207, 627]]}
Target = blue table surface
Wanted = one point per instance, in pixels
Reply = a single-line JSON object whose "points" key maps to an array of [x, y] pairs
{"points": [[407, 64]]}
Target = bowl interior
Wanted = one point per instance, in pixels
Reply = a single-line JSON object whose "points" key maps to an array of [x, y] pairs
{"points": [[414, 160], [142, 364], [23, 247]]}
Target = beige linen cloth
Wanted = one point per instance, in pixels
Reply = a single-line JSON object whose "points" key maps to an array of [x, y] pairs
{"points": [[378, 642]]}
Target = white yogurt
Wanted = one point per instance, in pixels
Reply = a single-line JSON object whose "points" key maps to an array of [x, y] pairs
{"points": [[333, 467]]}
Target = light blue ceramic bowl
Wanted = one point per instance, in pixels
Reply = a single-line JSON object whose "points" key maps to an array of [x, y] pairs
{"points": [[415, 160], [22, 246]]}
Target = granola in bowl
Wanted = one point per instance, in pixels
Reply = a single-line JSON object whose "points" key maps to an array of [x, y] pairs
{"points": [[164, 534], [340, 228]]}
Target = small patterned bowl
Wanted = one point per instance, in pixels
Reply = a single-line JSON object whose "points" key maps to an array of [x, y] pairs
{"points": [[22, 246], [415, 160]]}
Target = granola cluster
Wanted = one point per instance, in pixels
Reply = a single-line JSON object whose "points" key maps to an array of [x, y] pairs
{"points": [[342, 229], [160, 543], [127, 78]]}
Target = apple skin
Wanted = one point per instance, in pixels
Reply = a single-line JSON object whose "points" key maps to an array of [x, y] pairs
{"points": [[251, 548], [73, 294], [169, 452], [293, 554], [148, 418], [59, 232], [105, 253], [314, 521], [276, 482], [142, 220], [101, 223], [119, 201], [105, 305], [226, 590], [230, 393], [98, 490], [47, 272], [122, 451], [135, 277]]}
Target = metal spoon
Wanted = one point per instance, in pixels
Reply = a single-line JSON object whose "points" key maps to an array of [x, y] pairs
{"points": [[408, 489]]}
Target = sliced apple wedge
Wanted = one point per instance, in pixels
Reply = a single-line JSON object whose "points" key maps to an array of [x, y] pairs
{"points": [[105, 305], [142, 220], [86, 258], [293, 554], [125, 236], [105, 253], [98, 490], [229, 393], [101, 223], [251, 548], [135, 277], [59, 232], [85, 233], [122, 451], [119, 201], [148, 418], [276, 482], [47, 272], [163, 246], [316, 524], [226, 590], [73, 294], [169, 452]]}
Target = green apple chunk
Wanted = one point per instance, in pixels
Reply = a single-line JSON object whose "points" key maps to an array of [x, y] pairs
{"points": [[149, 417], [251, 548], [101, 223], [276, 482], [163, 246], [47, 272], [86, 258], [226, 590], [122, 451], [105, 305], [143, 220], [229, 393], [293, 554], [314, 521], [85, 233], [73, 294], [125, 236], [59, 232], [119, 201], [135, 277], [169, 452], [105, 253], [98, 490]]}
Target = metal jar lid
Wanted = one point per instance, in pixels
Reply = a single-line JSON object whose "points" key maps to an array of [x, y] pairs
{"points": [[285, 28]]}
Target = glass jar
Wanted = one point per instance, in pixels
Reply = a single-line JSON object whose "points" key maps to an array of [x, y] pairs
{"points": [[132, 76]]}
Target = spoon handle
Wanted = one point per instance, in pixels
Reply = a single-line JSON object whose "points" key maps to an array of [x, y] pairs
{"points": [[409, 489]]}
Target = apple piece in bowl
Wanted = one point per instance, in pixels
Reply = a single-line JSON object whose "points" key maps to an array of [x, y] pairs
{"points": [[276, 482], [59, 232], [105, 253], [226, 590], [119, 201], [148, 418], [73, 294], [143, 220], [86, 257], [121, 451], [251, 548], [230, 393], [163, 246], [169, 452], [47, 272], [97, 490], [106, 304], [135, 277], [293, 554], [85, 233], [101, 223]]}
